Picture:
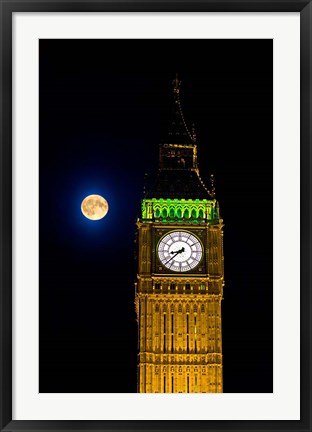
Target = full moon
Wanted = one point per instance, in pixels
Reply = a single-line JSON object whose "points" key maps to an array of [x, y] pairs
{"points": [[94, 207]]}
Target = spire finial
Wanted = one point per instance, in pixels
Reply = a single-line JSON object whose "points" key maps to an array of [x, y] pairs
{"points": [[145, 184], [176, 84], [193, 133], [213, 189]]}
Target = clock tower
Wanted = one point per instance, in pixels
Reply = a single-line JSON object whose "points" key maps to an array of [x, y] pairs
{"points": [[180, 279]]}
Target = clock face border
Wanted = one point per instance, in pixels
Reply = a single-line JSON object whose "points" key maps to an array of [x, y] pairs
{"points": [[199, 268]]}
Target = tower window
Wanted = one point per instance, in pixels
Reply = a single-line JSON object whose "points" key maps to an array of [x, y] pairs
{"points": [[172, 212], [195, 335], [157, 286], [186, 213], [187, 286], [157, 213], [165, 332], [187, 334], [172, 333], [172, 286]]}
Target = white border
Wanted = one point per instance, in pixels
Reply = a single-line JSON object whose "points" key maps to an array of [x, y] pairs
{"points": [[284, 403]]}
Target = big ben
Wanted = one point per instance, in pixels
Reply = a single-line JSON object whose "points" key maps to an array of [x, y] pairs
{"points": [[180, 276]]}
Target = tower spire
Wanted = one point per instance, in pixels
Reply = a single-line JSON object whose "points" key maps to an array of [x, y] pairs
{"points": [[193, 134], [176, 84], [178, 130], [178, 174]]}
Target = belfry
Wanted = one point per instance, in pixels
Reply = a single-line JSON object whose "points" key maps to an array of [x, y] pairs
{"points": [[180, 276]]}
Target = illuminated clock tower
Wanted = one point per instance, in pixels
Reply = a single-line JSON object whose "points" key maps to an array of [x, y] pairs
{"points": [[180, 279]]}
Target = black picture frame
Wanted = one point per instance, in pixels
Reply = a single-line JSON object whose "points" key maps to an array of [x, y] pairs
{"points": [[7, 8]]}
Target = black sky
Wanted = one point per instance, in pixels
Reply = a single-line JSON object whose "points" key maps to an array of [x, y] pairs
{"points": [[104, 107]]}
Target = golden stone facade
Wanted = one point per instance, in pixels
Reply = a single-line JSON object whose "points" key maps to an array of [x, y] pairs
{"points": [[180, 276]]}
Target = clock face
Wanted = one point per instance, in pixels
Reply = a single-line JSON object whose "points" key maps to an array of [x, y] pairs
{"points": [[180, 251]]}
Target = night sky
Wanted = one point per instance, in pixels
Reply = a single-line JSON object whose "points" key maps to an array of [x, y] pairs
{"points": [[104, 107]]}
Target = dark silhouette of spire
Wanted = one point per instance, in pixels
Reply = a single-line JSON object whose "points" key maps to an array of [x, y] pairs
{"points": [[178, 131], [178, 175]]}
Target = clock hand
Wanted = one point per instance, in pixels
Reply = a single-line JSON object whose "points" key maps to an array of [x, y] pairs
{"points": [[175, 254], [172, 257], [179, 251]]}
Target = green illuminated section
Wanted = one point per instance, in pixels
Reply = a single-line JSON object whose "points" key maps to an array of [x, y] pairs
{"points": [[180, 210]]}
